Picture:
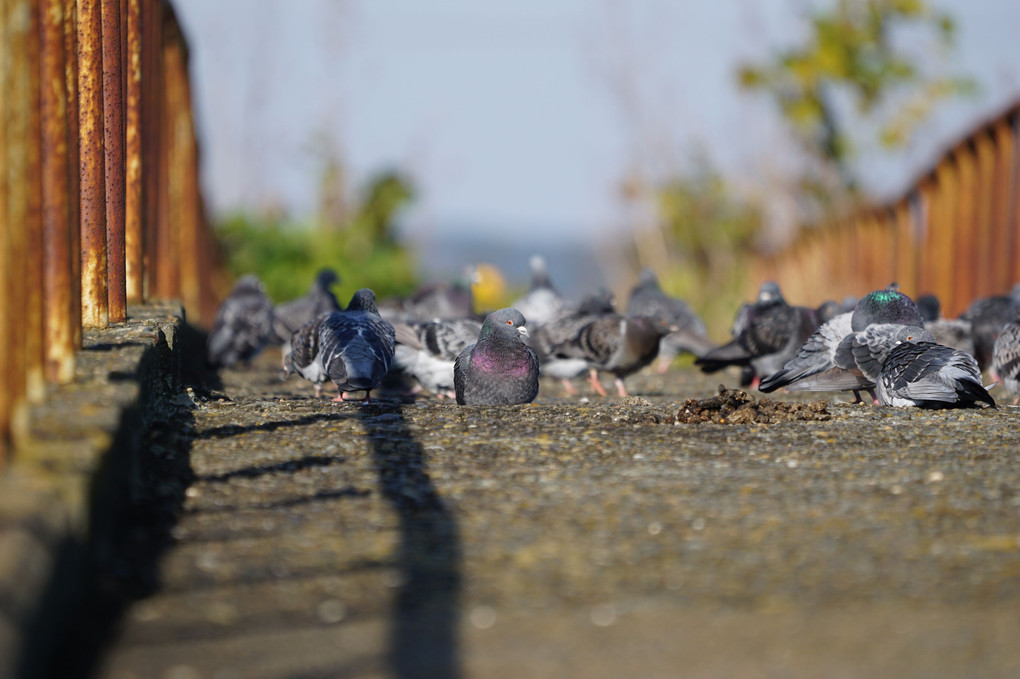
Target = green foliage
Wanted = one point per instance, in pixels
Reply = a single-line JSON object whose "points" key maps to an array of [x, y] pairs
{"points": [[852, 50], [363, 248]]}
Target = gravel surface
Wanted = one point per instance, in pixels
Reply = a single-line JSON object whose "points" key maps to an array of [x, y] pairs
{"points": [[572, 538]]}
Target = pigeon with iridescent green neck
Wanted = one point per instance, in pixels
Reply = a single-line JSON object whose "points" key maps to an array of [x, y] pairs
{"points": [[498, 369], [825, 362]]}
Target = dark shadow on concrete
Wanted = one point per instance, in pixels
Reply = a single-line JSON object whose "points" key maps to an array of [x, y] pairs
{"points": [[424, 640], [134, 499], [321, 496], [228, 430], [306, 462]]}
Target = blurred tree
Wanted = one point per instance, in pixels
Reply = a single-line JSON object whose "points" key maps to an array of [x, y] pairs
{"points": [[857, 52], [357, 238]]}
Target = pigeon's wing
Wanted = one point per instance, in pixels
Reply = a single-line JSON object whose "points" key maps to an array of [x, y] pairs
{"points": [[408, 334], [815, 357], [924, 371], [601, 338], [769, 329], [1007, 352], [869, 348], [461, 365], [446, 339]]}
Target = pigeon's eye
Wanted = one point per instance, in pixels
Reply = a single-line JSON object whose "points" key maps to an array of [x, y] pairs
{"points": [[509, 322]]}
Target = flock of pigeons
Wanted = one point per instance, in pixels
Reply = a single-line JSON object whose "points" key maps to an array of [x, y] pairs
{"points": [[900, 352]]}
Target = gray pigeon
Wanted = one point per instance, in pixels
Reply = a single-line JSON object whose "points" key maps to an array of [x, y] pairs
{"points": [[690, 334], [1006, 359], [290, 316], [353, 348], [443, 300], [243, 324], [826, 361], [426, 350], [556, 342], [930, 375], [542, 302], [498, 369], [955, 333], [766, 335], [620, 345], [987, 316]]}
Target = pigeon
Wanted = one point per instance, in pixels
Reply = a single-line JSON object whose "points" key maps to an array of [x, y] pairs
{"points": [[443, 300], [648, 299], [620, 345], [353, 348], [556, 342], [290, 316], [243, 324], [766, 335], [1006, 359], [826, 361], [426, 350], [987, 316], [542, 302], [929, 375], [498, 369], [955, 333]]}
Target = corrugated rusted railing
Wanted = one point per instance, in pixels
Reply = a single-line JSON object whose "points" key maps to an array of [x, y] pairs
{"points": [[99, 196], [954, 234]]}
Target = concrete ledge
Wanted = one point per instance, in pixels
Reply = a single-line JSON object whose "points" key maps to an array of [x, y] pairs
{"points": [[78, 467]]}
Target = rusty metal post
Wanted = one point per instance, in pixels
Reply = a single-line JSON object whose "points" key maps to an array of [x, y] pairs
{"points": [[6, 253], [133, 168], [33, 254], [984, 237], [167, 242], [60, 360], [92, 161], [155, 149], [74, 178], [964, 271], [17, 101], [113, 139], [1005, 155]]}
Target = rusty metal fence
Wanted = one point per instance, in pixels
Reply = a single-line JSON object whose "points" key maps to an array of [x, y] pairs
{"points": [[99, 199], [956, 232]]}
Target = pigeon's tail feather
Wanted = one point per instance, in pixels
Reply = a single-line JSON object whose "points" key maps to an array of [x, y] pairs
{"points": [[973, 391]]}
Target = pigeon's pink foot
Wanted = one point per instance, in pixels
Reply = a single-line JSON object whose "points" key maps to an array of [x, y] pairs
{"points": [[620, 389], [569, 388], [593, 380]]}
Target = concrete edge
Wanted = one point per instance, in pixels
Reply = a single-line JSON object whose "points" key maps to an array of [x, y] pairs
{"points": [[75, 469]]}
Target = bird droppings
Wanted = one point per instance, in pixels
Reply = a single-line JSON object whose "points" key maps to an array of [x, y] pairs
{"points": [[735, 406]]}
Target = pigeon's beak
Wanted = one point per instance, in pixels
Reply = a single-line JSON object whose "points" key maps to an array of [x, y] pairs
{"points": [[523, 331]]}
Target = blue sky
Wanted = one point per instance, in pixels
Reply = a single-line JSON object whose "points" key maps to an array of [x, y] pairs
{"points": [[504, 111]]}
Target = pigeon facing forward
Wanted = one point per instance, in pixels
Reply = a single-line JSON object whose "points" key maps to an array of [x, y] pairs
{"points": [[353, 348], [498, 369], [243, 324], [766, 335]]}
